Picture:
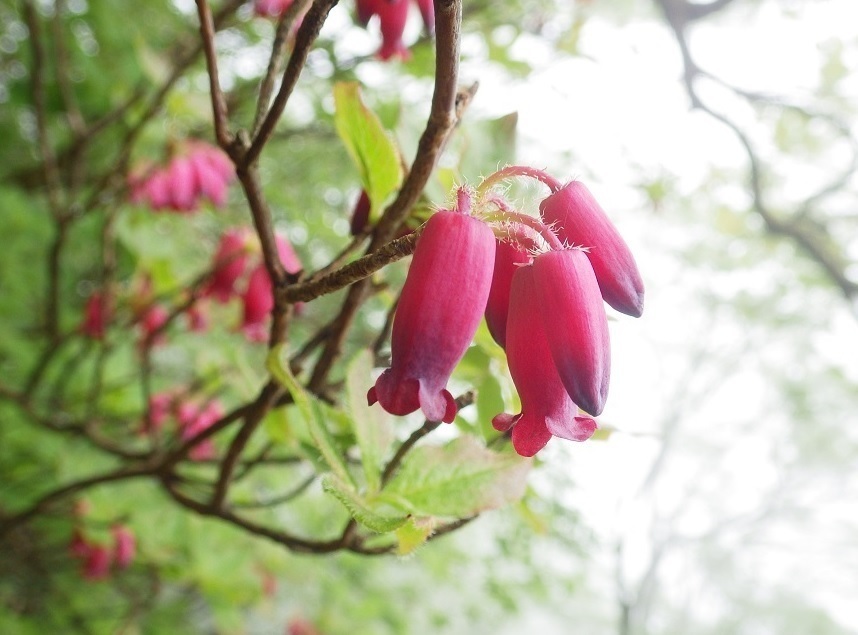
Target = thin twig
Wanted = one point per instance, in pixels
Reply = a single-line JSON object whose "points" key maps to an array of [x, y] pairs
{"points": [[219, 110]]}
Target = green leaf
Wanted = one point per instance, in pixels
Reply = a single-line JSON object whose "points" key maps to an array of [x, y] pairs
{"points": [[312, 412], [361, 510], [414, 534], [459, 479], [373, 151], [372, 426]]}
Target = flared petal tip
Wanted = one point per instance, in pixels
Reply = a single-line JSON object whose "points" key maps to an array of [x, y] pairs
{"points": [[437, 405], [580, 428], [529, 435]]}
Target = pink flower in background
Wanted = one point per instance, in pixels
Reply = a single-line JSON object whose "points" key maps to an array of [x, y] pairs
{"points": [[197, 317], [580, 221], [230, 263], [441, 305], [124, 546], [271, 8], [393, 16], [151, 323], [161, 407], [258, 298], [193, 419], [258, 302], [360, 214], [546, 408], [96, 315], [199, 171], [96, 566]]}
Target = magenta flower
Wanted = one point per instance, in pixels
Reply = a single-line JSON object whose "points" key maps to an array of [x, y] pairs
{"points": [[365, 10], [258, 299], [258, 302], [360, 214], [392, 14], [97, 563], [271, 8], [161, 406], [546, 408], [152, 324], [579, 220], [96, 315], [194, 419], [442, 301], [508, 260], [199, 171], [229, 265], [575, 324], [124, 546]]}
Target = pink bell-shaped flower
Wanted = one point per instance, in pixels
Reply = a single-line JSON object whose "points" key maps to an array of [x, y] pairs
{"points": [[230, 262], [124, 546], [508, 259], [258, 302], [442, 301], [96, 315], [575, 324], [392, 14], [579, 220], [97, 563], [546, 408], [271, 8]]}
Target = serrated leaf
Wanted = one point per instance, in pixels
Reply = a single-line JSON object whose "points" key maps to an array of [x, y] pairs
{"points": [[460, 479], [372, 426], [373, 151], [312, 412], [361, 510], [414, 534]]}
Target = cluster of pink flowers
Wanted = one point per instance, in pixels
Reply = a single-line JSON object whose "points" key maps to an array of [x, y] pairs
{"points": [[392, 18], [191, 416], [99, 560], [540, 283], [198, 171], [238, 271]]}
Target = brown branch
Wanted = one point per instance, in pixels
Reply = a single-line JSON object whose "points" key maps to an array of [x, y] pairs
{"points": [[219, 110], [10, 523], [352, 272], [275, 62], [311, 25], [252, 418]]}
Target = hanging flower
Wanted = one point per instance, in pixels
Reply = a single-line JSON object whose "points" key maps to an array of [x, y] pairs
{"points": [[546, 408], [442, 301], [96, 315], [124, 546], [230, 263], [579, 220], [575, 324], [508, 259], [199, 171]]}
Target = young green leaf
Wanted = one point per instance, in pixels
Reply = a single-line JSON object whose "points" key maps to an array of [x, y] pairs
{"points": [[373, 151], [372, 426], [459, 479], [312, 412], [359, 508]]}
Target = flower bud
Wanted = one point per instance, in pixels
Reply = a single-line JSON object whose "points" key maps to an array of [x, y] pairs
{"points": [[580, 221]]}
